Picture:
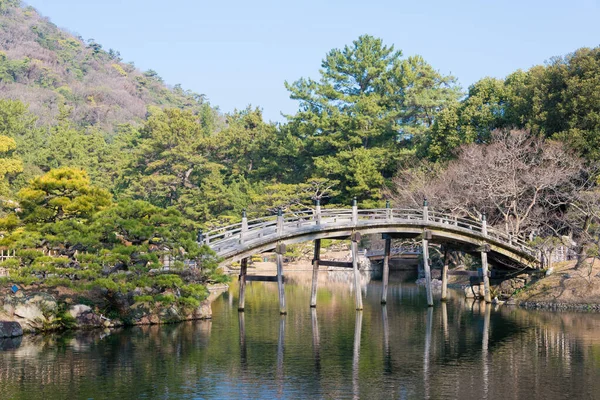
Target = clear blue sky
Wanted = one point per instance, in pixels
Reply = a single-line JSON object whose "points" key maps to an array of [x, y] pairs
{"points": [[241, 52]]}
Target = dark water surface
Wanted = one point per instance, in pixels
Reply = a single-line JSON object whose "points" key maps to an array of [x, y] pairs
{"points": [[403, 350]]}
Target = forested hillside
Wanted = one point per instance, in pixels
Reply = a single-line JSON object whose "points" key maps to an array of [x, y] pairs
{"points": [[55, 72], [87, 139]]}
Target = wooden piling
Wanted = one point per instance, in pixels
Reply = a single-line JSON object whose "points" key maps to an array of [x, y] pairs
{"points": [[242, 279], [386, 268], [280, 251], [484, 263], [358, 294], [486, 279], [315, 275], [427, 270], [445, 275]]}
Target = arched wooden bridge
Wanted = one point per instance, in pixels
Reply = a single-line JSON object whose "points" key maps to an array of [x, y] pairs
{"points": [[239, 241]]}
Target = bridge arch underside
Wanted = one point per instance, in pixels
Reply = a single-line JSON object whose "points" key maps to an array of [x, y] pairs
{"points": [[499, 254]]}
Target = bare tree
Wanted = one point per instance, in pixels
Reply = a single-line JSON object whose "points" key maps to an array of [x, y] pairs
{"points": [[415, 183], [582, 219], [516, 180]]}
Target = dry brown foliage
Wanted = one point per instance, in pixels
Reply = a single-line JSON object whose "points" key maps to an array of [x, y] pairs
{"points": [[517, 180]]}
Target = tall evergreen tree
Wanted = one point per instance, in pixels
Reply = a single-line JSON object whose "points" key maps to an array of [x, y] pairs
{"points": [[368, 105], [10, 165], [169, 163]]}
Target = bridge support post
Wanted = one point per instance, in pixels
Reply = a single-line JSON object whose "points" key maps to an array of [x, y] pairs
{"points": [[486, 278], [386, 268], [426, 267], [280, 250], [358, 295], [354, 211], [242, 278], [445, 275], [315, 275], [484, 263]]}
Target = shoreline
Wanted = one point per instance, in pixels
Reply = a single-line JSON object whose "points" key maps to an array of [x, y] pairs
{"points": [[547, 293], [24, 319], [558, 307]]}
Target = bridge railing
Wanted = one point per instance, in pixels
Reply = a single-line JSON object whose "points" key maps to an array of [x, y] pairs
{"points": [[466, 223], [475, 225], [232, 230], [247, 231], [406, 214]]}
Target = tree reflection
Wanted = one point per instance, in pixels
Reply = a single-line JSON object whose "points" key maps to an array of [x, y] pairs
{"points": [[461, 349]]}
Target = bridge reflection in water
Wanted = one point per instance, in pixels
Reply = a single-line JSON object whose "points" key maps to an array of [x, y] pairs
{"points": [[478, 307], [462, 349]]}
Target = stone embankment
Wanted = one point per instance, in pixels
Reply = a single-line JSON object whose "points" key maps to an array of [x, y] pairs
{"points": [[564, 287], [538, 305], [30, 312]]}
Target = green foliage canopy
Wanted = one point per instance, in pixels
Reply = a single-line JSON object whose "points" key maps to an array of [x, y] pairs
{"points": [[60, 194], [368, 105]]}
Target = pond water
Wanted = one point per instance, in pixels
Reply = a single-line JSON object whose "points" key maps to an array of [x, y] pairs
{"points": [[462, 349]]}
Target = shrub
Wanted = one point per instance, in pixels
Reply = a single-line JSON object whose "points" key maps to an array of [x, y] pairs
{"points": [[219, 277], [195, 290], [29, 255], [10, 263], [165, 298], [189, 302], [143, 299], [119, 69], [58, 281], [168, 281], [106, 283]]}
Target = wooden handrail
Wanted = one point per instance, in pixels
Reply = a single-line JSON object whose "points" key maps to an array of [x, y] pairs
{"points": [[227, 237]]}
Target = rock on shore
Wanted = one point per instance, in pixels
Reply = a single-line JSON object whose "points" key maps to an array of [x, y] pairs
{"points": [[33, 312], [10, 329], [41, 311]]}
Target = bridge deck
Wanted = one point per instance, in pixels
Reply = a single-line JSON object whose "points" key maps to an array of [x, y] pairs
{"points": [[232, 241]]}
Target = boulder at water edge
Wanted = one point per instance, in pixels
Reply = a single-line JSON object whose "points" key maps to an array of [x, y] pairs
{"points": [[10, 329], [33, 311]]}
